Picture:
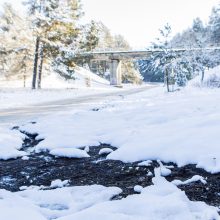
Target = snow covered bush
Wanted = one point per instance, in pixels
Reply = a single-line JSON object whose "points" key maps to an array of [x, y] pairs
{"points": [[211, 79]]}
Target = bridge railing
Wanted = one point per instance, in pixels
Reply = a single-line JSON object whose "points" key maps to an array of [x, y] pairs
{"points": [[147, 51]]}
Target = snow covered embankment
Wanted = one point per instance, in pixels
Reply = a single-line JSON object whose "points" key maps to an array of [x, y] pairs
{"points": [[54, 87]]}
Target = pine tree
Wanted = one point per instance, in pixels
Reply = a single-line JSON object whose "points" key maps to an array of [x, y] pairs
{"points": [[90, 38], [55, 27], [66, 38], [214, 24], [106, 40], [174, 68], [15, 43], [164, 60]]}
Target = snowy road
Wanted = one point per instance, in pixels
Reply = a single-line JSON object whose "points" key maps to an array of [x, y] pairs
{"points": [[28, 112]]}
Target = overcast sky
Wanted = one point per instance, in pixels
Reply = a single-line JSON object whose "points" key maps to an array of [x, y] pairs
{"points": [[139, 20]]}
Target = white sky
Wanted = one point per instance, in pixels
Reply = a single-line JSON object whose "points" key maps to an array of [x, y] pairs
{"points": [[139, 20]]}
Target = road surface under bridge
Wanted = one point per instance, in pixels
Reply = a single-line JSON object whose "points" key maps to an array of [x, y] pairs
{"points": [[115, 58]]}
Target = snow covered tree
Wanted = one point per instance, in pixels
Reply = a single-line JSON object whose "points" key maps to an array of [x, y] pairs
{"points": [[39, 12], [68, 35], [15, 43], [130, 73], [90, 36], [105, 37], [164, 60], [149, 73], [214, 24], [198, 36], [54, 22], [174, 68], [119, 43], [197, 25]]}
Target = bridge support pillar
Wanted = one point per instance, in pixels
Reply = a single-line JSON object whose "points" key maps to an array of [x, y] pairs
{"points": [[115, 73]]}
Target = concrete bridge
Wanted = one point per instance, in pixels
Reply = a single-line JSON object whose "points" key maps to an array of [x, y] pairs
{"points": [[115, 58]]}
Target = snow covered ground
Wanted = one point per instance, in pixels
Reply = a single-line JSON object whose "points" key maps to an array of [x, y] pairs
{"points": [[211, 79], [163, 200], [11, 98], [151, 125], [181, 127], [55, 81], [54, 88]]}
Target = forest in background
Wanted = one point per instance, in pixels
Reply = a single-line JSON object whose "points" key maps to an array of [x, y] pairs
{"points": [[181, 67], [48, 36]]}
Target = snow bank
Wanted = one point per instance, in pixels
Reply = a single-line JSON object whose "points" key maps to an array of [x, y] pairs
{"points": [[55, 81], [172, 204], [83, 78], [181, 127], [92, 202], [13, 206], [82, 74], [50, 204], [211, 79], [10, 144]]}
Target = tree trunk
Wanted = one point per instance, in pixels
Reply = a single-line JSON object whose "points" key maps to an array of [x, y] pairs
{"points": [[24, 81], [203, 74], [40, 67], [90, 65], [35, 62], [167, 81]]}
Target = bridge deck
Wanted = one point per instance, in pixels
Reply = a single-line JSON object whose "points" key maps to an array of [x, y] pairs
{"points": [[132, 54]]}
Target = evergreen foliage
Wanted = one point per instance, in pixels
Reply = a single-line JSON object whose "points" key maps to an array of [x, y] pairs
{"points": [[51, 34], [16, 49], [55, 25], [188, 64]]}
